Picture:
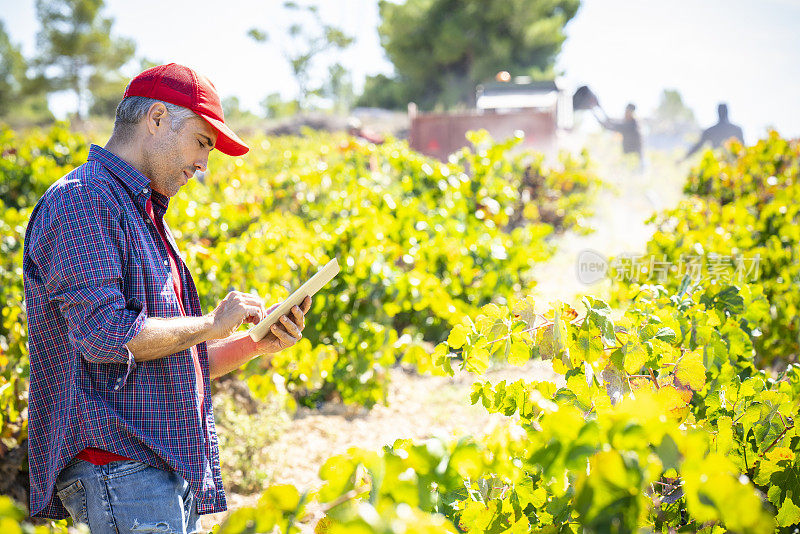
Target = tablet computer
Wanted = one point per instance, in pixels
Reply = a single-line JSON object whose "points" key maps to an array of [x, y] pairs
{"points": [[312, 285]]}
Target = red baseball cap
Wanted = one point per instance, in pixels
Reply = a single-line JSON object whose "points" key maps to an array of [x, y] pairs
{"points": [[182, 86]]}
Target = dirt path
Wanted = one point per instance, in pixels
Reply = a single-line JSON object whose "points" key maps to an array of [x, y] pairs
{"points": [[620, 212], [420, 407]]}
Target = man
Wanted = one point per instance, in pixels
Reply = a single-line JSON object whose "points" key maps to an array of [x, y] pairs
{"points": [[121, 428], [629, 128], [718, 133]]}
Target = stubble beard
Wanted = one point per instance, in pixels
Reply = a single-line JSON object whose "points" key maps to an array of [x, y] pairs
{"points": [[162, 166]]}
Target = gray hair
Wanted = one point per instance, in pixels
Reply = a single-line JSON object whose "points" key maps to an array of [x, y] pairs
{"points": [[133, 108]]}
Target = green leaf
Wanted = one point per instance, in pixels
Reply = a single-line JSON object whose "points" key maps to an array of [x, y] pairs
{"points": [[477, 392], [442, 359], [599, 313], [765, 471], [669, 453], [576, 382], [588, 347], [728, 299], [789, 512], [524, 310], [724, 435], [666, 334], [525, 492]]}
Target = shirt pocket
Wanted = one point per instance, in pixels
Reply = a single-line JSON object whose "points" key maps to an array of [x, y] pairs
{"points": [[134, 286], [168, 295], [150, 280]]}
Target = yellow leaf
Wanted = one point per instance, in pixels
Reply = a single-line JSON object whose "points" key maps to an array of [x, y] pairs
{"points": [[539, 497], [520, 527], [477, 361], [474, 515], [673, 401], [457, 337], [324, 526], [780, 453], [492, 310], [280, 496], [690, 372], [10, 526], [635, 356], [519, 354], [545, 518]]}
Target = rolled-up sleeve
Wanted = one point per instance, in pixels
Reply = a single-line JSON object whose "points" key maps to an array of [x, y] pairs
{"points": [[84, 277]]}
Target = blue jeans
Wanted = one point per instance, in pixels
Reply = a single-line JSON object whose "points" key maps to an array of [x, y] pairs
{"points": [[127, 497]]}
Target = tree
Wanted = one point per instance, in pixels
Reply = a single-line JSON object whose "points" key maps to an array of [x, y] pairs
{"points": [[12, 71], [382, 91], [441, 49], [20, 97], [235, 115], [672, 122], [339, 88], [275, 107], [671, 108], [302, 48], [78, 52], [107, 89]]}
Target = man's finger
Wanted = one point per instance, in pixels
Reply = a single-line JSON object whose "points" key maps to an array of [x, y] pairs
{"points": [[283, 337], [306, 304], [299, 318], [249, 302], [253, 314], [248, 298], [290, 327]]}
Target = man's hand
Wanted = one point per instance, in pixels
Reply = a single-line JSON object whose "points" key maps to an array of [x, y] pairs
{"points": [[287, 331], [230, 353], [236, 308]]}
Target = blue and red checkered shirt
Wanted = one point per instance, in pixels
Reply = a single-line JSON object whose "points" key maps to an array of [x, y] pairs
{"points": [[95, 268]]}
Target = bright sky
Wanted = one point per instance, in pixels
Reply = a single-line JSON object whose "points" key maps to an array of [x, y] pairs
{"points": [[746, 53]]}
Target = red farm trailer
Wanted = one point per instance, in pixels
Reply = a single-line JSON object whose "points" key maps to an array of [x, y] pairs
{"points": [[536, 109]]}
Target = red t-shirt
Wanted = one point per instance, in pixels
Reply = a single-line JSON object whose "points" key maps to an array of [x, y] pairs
{"points": [[176, 284], [100, 456]]}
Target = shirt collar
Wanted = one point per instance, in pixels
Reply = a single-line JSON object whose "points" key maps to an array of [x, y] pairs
{"points": [[136, 182]]}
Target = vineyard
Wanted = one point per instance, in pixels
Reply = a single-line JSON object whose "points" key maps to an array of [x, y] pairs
{"points": [[674, 405]]}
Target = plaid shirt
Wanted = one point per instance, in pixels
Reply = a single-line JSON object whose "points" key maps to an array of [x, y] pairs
{"points": [[94, 269]]}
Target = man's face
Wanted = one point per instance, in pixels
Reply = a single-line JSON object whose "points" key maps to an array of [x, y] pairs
{"points": [[174, 156]]}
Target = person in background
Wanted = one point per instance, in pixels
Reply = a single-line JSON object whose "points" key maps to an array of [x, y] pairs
{"points": [[121, 425], [356, 129], [718, 133], [629, 128]]}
